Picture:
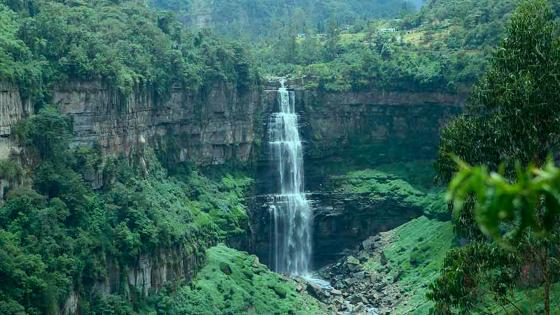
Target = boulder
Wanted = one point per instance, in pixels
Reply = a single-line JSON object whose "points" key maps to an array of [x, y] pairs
{"points": [[225, 268]]}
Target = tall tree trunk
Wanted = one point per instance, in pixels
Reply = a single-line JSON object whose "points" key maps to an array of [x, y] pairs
{"points": [[547, 280]]}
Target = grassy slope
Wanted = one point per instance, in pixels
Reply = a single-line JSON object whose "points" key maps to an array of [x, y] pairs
{"points": [[233, 282], [414, 256], [416, 250]]}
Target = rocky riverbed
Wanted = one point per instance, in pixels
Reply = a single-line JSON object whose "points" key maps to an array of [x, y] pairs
{"points": [[354, 290]]}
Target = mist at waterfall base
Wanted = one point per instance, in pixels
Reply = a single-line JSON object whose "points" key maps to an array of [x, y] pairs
{"points": [[291, 213]]}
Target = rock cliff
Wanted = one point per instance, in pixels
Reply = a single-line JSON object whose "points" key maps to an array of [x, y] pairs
{"points": [[226, 126], [12, 109], [206, 128], [371, 128], [146, 274]]}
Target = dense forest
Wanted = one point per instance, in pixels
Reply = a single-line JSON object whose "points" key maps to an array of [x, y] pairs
{"points": [[259, 19], [124, 44], [152, 152]]}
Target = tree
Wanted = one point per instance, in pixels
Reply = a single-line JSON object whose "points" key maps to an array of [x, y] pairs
{"points": [[331, 45], [513, 113], [512, 120], [516, 213]]}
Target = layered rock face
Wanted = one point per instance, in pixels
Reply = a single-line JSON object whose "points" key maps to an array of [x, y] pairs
{"points": [[364, 130], [206, 128], [342, 220], [147, 274], [371, 128], [12, 107], [12, 110], [224, 125]]}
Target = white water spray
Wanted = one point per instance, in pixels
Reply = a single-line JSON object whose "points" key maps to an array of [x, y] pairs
{"points": [[292, 215]]}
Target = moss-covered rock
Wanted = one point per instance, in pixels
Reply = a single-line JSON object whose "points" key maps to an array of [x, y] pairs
{"points": [[356, 204], [410, 184]]}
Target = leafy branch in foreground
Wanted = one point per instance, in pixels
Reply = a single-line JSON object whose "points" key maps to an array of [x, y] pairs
{"points": [[507, 208]]}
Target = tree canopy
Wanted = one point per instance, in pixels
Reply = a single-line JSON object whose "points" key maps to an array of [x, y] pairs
{"points": [[122, 43]]}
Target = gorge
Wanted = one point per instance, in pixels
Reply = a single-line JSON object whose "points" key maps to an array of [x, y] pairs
{"points": [[258, 130], [194, 157]]}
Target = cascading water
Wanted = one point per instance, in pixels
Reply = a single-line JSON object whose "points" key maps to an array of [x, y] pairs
{"points": [[291, 214]]}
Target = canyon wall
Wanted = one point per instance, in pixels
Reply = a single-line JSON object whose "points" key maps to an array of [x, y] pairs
{"points": [[341, 131], [371, 128], [349, 131], [209, 128], [12, 109], [146, 274]]}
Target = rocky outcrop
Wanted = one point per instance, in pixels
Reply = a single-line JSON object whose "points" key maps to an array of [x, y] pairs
{"points": [[209, 128], [342, 220], [146, 274], [364, 130], [150, 272], [12, 109]]}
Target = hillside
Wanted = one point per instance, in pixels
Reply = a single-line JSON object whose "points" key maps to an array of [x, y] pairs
{"points": [[249, 19], [443, 47]]}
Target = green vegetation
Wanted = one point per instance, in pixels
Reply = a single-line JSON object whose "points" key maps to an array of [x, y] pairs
{"points": [[512, 115], [511, 121], [264, 19], [61, 238], [121, 43], [412, 258], [393, 184], [233, 282], [443, 47], [528, 301], [16, 59], [56, 235], [508, 211], [531, 202]]}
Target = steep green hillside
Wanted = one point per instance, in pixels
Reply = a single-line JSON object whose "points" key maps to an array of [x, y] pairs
{"points": [[411, 258], [233, 282], [444, 47], [58, 236], [250, 19]]}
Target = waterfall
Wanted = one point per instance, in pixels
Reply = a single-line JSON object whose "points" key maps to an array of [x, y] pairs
{"points": [[291, 212]]}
